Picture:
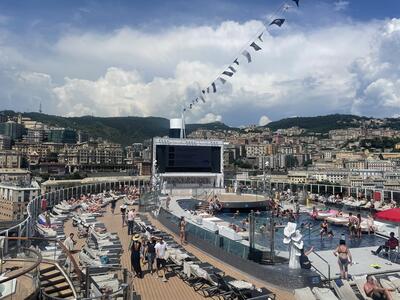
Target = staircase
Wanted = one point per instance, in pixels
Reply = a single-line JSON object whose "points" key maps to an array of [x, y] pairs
{"points": [[54, 283]]}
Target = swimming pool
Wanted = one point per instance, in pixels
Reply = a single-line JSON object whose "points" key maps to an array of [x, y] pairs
{"points": [[311, 233]]}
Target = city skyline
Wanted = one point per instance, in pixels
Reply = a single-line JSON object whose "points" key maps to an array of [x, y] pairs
{"points": [[130, 58]]}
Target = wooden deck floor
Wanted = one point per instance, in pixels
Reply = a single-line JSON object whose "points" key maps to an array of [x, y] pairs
{"points": [[151, 287]]}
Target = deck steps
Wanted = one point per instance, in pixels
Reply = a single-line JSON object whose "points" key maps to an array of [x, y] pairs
{"points": [[54, 283]]}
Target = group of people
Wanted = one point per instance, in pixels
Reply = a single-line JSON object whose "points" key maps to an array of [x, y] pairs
{"points": [[355, 225], [152, 250], [214, 205], [148, 251]]}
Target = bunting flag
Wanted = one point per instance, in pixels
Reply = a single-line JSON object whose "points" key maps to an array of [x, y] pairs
{"points": [[232, 69], [277, 22], [246, 54], [227, 73], [214, 87], [255, 46]]}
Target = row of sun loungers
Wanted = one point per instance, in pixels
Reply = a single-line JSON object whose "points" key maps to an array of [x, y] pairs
{"points": [[351, 202], [203, 277], [349, 290]]}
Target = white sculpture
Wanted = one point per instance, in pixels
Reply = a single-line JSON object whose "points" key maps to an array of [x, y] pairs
{"points": [[293, 238]]}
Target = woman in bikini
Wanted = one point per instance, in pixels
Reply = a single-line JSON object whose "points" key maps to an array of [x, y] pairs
{"points": [[344, 258], [182, 230]]}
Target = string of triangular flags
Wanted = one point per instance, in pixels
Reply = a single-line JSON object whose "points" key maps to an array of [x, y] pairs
{"points": [[246, 54]]}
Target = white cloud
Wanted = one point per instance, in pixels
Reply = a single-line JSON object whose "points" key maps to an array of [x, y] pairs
{"points": [[377, 74], [341, 5], [210, 117], [264, 120], [131, 72]]}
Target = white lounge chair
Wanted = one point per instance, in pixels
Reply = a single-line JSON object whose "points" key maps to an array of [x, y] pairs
{"points": [[324, 294], [395, 281], [387, 284], [345, 292], [304, 294]]}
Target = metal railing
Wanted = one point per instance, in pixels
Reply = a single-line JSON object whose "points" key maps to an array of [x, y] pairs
{"points": [[320, 272], [26, 228]]}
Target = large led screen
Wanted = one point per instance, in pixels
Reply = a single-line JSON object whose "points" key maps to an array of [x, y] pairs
{"points": [[171, 158]]}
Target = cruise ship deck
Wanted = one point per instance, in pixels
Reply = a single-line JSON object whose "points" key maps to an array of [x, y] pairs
{"points": [[151, 287]]}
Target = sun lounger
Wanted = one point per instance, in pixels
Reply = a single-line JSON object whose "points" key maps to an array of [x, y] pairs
{"points": [[304, 294], [387, 284], [324, 294], [254, 294], [219, 288], [344, 290], [395, 281]]}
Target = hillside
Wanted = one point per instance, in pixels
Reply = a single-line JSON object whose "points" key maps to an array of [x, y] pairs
{"points": [[127, 130], [123, 130], [321, 124]]}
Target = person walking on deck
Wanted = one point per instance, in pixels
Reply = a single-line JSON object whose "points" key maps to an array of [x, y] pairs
{"points": [[344, 258], [182, 230], [135, 255], [131, 217], [69, 244], [113, 205], [150, 254], [161, 248], [123, 214]]}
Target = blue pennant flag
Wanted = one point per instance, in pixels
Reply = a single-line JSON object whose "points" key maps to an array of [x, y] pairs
{"points": [[277, 22], [255, 46]]}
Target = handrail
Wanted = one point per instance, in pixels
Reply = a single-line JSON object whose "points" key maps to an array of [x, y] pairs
{"points": [[64, 249], [329, 268], [38, 261]]}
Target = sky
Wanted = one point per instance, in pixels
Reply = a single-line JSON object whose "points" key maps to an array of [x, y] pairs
{"points": [[152, 58]]}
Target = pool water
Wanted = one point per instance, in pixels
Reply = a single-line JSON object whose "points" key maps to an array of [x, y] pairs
{"points": [[310, 232]]}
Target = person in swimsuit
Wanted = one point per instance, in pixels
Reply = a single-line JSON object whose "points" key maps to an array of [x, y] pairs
{"points": [[182, 230], [344, 258], [373, 290], [324, 229]]}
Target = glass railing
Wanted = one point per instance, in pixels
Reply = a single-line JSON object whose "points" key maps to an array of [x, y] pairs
{"points": [[214, 239]]}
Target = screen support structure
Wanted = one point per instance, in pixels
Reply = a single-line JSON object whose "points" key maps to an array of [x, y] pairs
{"points": [[183, 130]]}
